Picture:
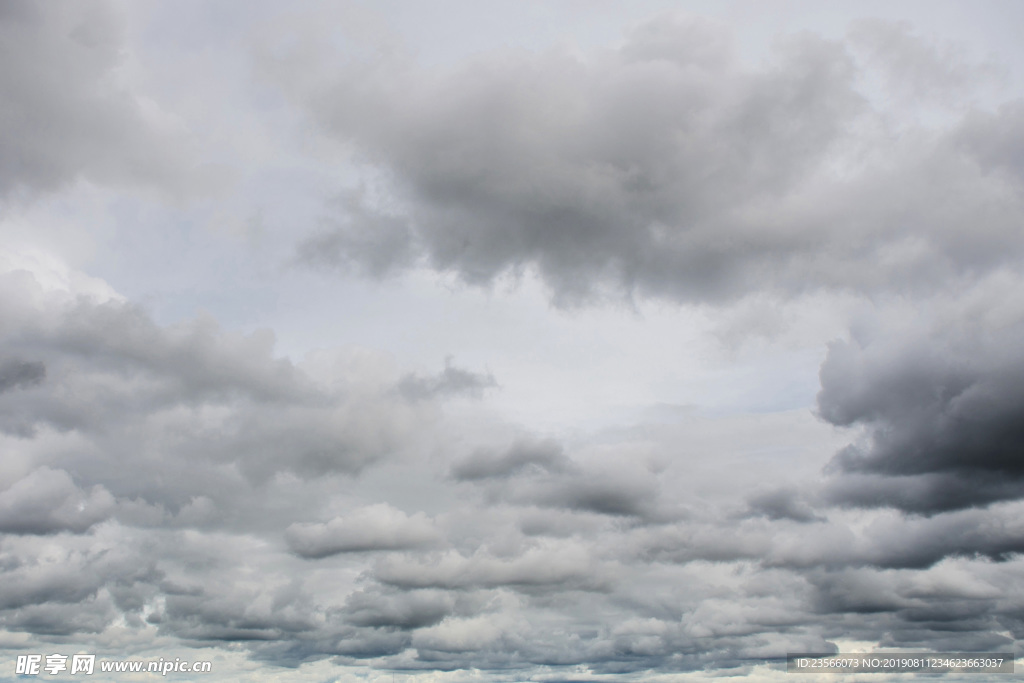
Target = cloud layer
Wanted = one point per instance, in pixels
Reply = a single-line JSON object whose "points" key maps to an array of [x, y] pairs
{"points": [[178, 481]]}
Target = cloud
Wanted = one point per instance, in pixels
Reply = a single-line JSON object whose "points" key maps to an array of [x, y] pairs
{"points": [[67, 112], [360, 236], [939, 407], [540, 473], [782, 504], [665, 167], [47, 501], [184, 484], [543, 565], [376, 527], [193, 389], [450, 382], [403, 610], [916, 70], [521, 457], [15, 374], [619, 493]]}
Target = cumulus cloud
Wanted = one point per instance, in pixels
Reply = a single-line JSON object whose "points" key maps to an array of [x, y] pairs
{"points": [[665, 167], [540, 473], [47, 501], [940, 410], [376, 527], [523, 456], [400, 609], [191, 394], [183, 483], [782, 504]]}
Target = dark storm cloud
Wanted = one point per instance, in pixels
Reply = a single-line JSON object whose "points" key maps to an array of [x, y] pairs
{"points": [[450, 382], [941, 410], [664, 167], [64, 114]]}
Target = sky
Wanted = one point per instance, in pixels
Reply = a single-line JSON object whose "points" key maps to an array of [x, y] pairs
{"points": [[461, 342]]}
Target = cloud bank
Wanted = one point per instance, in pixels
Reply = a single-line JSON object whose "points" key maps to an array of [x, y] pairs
{"points": [[180, 481]]}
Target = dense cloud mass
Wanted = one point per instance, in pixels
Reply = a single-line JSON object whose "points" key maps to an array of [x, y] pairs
{"points": [[942, 409], [200, 488], [209, 447], [667, 167]]}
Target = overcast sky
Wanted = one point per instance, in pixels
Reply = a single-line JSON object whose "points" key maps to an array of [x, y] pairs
{"points": [[510, 341]]}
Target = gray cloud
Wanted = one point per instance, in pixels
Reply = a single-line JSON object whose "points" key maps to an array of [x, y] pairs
{"points": [[540, 473], [359, 236], [542, 565], [666, 168], [47, 501], [65, 114], [173, 399], [782, 504], [174, 484], [941, 413], [16, 373], [403, 610], [86, 581], [521, 457], [452, 381], [377, 527], [619, 493]]}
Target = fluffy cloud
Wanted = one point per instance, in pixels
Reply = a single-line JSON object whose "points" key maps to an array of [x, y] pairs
{"points": [[522, 456], [666, 167], [171, 399], [47, 501], [377, 527], [540, 473], [182, 484]]}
